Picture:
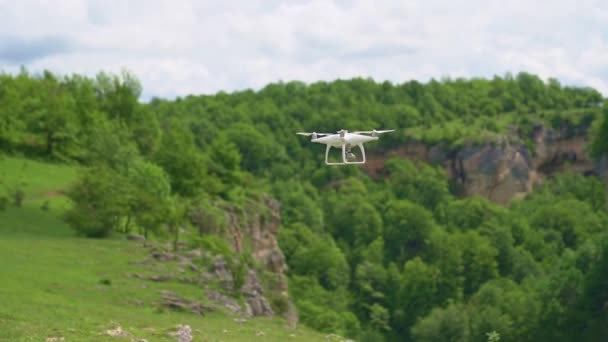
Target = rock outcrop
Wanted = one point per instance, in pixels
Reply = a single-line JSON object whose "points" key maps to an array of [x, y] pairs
{"points": [[504, 169], [257, 226], [252, 290], [251, 229]]}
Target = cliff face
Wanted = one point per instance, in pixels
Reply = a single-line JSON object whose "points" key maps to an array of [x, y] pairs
{"points": [[505, 169], [254, 230]]}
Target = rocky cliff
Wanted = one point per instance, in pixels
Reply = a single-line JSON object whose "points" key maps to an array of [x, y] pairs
{"points": [[252, 230], [507, 168]]}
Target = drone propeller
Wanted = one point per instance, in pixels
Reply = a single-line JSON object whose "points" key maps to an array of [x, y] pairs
{"points": [[313, 133], [374, 131]]}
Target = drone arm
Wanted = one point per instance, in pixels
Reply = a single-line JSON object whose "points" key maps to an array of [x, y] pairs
{"points": [[362, 153]]}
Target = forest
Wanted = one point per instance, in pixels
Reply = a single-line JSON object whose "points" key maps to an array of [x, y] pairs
{"points": [[402, 257]]}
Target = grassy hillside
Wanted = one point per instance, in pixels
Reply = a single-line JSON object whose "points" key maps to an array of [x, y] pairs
{"points": [[57, 285]]}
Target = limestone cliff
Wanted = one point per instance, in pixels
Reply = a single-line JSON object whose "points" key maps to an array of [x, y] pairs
{"points": [[504, 169], [252, 229]]}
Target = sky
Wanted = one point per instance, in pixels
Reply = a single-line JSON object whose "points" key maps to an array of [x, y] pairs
{"points": [[182, 47]]}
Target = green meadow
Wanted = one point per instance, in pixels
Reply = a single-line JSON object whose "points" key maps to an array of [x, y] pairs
{"points": [[54, 284]]}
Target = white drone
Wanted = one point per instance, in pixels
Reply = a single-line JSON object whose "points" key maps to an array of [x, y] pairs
{"points": [[345, 140]]}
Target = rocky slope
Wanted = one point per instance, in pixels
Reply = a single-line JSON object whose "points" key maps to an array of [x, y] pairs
{"points": [[252, 230], [248, 281]]}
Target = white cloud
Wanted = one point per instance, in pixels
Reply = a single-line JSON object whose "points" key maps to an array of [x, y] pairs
{"points": [[186, 47]]}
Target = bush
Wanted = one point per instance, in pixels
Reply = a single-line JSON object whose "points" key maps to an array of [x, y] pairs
{"points": [[84, 222]]}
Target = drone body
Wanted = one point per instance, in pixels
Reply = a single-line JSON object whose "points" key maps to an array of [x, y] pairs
{"points": [[345, 141]]}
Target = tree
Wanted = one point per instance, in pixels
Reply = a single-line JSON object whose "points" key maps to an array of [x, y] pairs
{"points": [[407, 227], [52, 117], [150, 202], [354, 220], [587, 319], [571, 219], [417, 296], [504, 307], [182, 161], [257, 150], [101, 198], [12, 125], [470, 213], [108, 143], [418, 183], [443, 324], [118, 95], [599, 144], [478, 260], [146, 131], [323, 259], [299, 203]]}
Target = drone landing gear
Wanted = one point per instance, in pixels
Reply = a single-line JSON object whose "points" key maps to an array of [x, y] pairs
{"points": [[346, 155]]}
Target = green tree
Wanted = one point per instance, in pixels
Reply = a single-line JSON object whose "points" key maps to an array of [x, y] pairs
{"points": [[478, 260], [419, 183], [109, 143], [443, 324], [12, 125], [407, 227], [258, 151], [181, 160], [100, 197], [150, 202], [587, 319], [53, 119], [599, 145], [118, 95], [417, 296], [504, 307], [470, 213]]}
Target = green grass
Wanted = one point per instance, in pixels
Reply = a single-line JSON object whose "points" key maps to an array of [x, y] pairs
{"points": [[40, 180], [54, 284]]}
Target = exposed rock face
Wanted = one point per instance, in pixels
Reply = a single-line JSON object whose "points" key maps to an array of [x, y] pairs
{"points": [[257, 227], [221, 272], [506, 169], [260, 229], [253, 230], [257, 305]]}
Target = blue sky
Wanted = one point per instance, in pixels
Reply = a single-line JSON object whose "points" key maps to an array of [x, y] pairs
{"points": [[181, 47]]}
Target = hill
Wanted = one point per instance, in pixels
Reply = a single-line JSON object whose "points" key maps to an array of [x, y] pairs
{"points": [[483, 216], [58, 285]]}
